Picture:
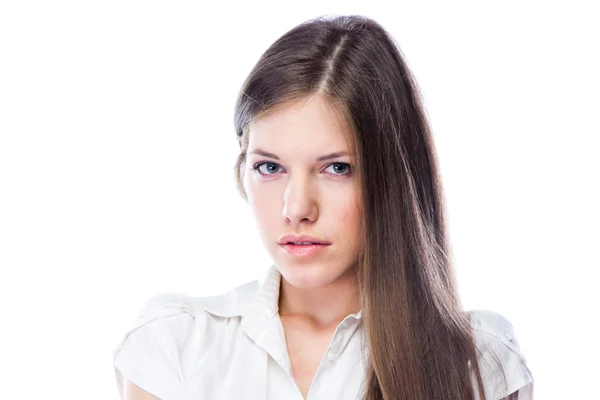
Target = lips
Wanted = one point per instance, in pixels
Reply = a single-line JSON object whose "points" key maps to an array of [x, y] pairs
{"points": [[304, 251], [302, 240]]}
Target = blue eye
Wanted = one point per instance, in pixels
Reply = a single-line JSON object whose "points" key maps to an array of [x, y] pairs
{"points": [[340, 168], [271, 168]]}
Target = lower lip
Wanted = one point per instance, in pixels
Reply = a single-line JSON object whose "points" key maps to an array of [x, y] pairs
{"points": [[303, 250]]}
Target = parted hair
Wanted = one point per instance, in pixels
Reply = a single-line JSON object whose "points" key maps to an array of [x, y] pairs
{"points": [[420, 342]]}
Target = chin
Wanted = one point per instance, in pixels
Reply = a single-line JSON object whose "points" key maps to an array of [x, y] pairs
{"points": [[308, 275]]}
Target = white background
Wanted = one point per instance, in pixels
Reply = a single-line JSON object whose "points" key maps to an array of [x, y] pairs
{"points": [[116, 170]]}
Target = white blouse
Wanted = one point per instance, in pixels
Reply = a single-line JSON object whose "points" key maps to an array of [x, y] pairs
{"points": [[232, 346]]}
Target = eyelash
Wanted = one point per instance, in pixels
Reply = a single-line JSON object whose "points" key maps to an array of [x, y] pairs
{"points": [[257, 166]]}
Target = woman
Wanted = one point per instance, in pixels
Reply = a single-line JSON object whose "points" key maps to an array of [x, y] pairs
{"points": [[338, 166]]}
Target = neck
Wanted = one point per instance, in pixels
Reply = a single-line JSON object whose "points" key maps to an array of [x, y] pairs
{"points": [[322, 307]]}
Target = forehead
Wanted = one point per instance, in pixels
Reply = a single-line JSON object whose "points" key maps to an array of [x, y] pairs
{"points": [[307, 125]]}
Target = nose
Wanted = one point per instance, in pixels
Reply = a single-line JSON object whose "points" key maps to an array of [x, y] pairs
{"points": [[300, 201]]}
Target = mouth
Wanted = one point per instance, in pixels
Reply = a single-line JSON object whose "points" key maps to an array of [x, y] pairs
{"points": [[303, 249], [305, 243], [302, 244]]}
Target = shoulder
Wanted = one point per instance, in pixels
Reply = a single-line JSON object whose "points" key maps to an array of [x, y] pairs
{"points": [[500, 355], [228, 304], [153, 352], [174, 312]]}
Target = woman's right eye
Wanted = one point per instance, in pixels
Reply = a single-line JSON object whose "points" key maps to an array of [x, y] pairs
{"points": [[270, 168]]}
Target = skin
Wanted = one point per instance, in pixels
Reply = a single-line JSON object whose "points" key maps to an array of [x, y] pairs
{"points": [[296, 194], [290, 191], [134, 392]]}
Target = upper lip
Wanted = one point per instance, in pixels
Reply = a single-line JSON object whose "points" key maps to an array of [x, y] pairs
{"points": [[302, 238]]}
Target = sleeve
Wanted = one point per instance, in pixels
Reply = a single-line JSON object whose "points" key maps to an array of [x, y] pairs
{"points": [[149, 354], [499, 350]]}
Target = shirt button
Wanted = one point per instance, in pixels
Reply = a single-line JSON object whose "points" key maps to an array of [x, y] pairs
{"points": [[331, 355]]}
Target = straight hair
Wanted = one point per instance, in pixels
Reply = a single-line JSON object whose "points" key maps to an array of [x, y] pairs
{"points": [[420, 342]]}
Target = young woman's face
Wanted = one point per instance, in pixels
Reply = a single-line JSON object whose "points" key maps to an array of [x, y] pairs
{"points": [[294, 190]]}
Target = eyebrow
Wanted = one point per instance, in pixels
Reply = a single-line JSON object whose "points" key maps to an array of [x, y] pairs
{"points": [[322, 158]]}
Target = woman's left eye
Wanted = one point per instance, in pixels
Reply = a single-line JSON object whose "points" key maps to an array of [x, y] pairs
{"points": [[339, 168]]}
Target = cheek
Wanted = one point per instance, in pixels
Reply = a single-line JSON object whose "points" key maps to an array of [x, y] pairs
{"points": [[349, 216], [346, 211], [264, 203]]}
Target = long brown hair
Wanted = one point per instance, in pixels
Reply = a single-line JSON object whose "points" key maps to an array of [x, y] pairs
{"points": [[420, 342]]}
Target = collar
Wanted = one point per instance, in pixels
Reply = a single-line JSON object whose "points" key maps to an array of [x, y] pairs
{"points": [[257, 302]]}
